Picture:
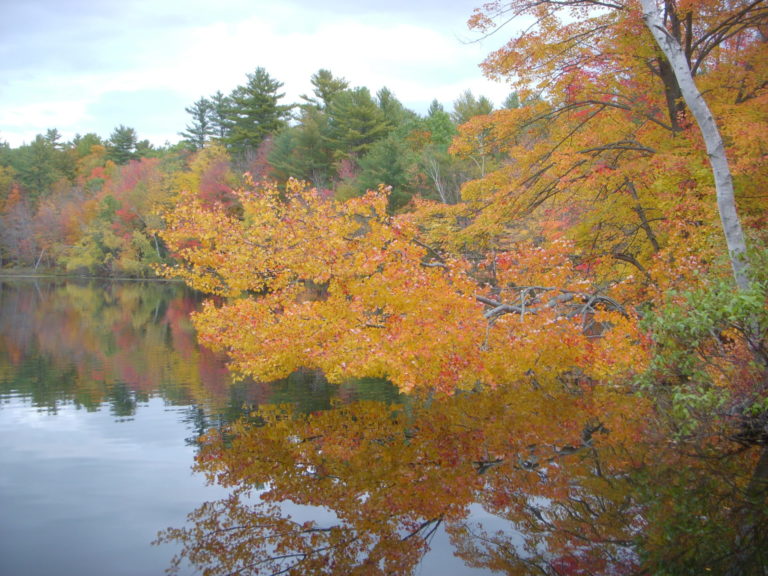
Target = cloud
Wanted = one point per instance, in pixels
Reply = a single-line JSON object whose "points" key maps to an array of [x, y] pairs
{"points": [[156, 114], [82, 66]]}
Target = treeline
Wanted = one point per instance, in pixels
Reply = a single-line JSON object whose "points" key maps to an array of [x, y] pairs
{"points": [[92, 205]]}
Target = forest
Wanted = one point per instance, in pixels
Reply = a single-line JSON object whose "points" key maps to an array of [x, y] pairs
{"points": [[575, 281], [94, 205]]}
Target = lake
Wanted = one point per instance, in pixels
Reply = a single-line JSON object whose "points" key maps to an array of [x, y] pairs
{"points": [[103, 395], [113, 419]]}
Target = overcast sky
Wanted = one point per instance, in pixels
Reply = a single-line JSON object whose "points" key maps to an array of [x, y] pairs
{"points": [[90, 65]]}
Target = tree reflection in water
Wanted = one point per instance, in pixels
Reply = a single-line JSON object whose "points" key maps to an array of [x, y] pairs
{"points": [[594, 498]]}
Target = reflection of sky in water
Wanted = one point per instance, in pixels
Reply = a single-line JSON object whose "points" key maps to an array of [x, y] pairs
{"points": [[81, 493], [85, 492]]}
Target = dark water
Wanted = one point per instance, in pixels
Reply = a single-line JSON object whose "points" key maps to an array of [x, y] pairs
{"points": [[103, 394]]}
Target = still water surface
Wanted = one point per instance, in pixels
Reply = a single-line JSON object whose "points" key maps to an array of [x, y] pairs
{"points": [[103, 394]]}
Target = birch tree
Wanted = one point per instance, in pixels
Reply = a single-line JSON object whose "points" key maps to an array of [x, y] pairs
{"points": [[726, 202]]}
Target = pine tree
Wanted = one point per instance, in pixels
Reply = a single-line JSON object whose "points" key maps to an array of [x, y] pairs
{"points": [[201, 129], [325, 88], [468, 106], [255, 112], [439, 123], [219, 124], [397, 116], [121, 146], [356, 122]]}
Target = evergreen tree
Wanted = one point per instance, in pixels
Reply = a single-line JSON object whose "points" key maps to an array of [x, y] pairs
{"points": [[219, 123], [390, 162], [445, 173], [121, 146], [201, 129], [284, 161], [5, 153], [38, 167], [468, 106], [355, 122], [512, 101], [440, 126], [303, 151], [255, 111], [395, 114], [84, 144], [325, 88], [53, 137], [145, 149]]}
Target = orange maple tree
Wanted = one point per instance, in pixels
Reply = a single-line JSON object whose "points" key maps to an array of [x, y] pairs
{"points": [[599, 209], [348, 289], [317, 284], [605, 143]]}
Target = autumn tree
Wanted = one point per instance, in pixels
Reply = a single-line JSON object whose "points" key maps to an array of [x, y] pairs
{"points": [[17, 243], [93, 167], [610, 152], [612, 106], [7, 181], [679, 62], [591, 207], [58, 223], [611, 157], [379, 302], [357, 269], [209, 177], [117, 223]]}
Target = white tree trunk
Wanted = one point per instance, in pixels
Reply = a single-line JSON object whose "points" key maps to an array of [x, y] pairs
{"points": [[726, 203]]}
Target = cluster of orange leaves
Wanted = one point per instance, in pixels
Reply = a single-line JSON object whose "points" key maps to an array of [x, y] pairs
{"points": [[346, 288]]}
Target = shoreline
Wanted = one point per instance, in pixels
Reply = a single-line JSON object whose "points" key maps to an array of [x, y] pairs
{"points": [[30, 273]]}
